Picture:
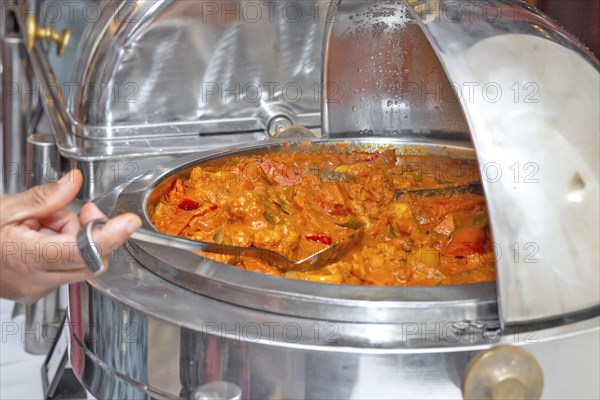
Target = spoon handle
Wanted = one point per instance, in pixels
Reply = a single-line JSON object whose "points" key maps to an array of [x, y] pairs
{"points": [[147, 236]]}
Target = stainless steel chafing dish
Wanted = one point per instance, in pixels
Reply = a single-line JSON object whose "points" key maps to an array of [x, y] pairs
{"points": [[492, 79]]}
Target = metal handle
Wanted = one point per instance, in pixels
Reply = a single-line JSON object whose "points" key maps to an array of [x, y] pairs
{"points": [[35, 32], [93, 257], [16, 112], [503, 372], [194, 245]]}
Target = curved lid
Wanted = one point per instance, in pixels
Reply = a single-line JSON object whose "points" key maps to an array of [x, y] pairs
{"points": [[535, 120], [531, 96], [156, 77], [201, 67]]}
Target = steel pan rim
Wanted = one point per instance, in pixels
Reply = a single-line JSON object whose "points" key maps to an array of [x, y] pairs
{"points": [[294, 297]]}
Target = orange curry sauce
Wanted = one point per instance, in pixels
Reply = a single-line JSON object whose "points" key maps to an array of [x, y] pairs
{"points": [[296, 202]]}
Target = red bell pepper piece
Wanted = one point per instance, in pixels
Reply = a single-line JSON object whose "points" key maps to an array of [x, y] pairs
{"points": [[188, 204], [323, 239], [205, 210], [339, 210], [466, 241]]}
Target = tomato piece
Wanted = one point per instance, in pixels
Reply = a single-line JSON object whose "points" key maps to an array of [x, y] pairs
{"points": [[339, 210], [372, 157], [205, 210], [188, 204], [266, 167], [466, 241], [280, 172], [323, 239], [175, 191], [179, 186]]}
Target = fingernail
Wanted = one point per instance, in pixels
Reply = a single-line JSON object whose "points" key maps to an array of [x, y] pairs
{"points": [[133, 224]]}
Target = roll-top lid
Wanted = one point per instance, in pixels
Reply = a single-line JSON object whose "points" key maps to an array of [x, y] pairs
{"points": [[530, 94], [160, 68]]}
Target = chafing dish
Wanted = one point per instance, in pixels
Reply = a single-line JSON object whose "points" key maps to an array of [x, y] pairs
{"points": [[492, 79]]}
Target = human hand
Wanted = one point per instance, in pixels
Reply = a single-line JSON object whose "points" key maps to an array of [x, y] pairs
{"points": [[38, 237]]}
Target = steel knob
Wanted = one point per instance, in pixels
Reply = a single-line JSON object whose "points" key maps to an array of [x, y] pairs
{"points": [[503, 372], [35, 32]]}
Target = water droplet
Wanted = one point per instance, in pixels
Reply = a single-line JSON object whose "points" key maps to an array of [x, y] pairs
{"points": [[353, 108], [389, 103]]}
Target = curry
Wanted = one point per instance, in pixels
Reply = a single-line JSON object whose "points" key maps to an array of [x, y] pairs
{"points": [[424, 221]]}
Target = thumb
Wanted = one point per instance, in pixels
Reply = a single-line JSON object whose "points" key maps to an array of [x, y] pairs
{"points": [[42, 200]]}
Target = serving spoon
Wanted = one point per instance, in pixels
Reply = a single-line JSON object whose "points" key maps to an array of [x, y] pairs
{"points": [[333, 252], [468, 188]]}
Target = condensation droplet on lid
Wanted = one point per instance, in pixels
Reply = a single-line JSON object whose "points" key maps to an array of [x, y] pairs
{"points": [[389, 103]]}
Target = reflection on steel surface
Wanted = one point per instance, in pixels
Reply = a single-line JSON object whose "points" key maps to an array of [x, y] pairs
{"points": [[188, 62], [381, 76], [534, 119]]}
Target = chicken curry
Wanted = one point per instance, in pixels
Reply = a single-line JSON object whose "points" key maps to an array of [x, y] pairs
{"points": [[424, 216]]}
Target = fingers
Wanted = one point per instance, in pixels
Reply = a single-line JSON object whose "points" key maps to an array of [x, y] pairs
{"points": [[89, 212], [37, 252], [61, 252], [37, 284], [63, 221], [34, 263], [115, 232], [40, 201]]}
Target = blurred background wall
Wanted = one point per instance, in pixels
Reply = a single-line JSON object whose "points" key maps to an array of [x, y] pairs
{"points": [[580, 17]]}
